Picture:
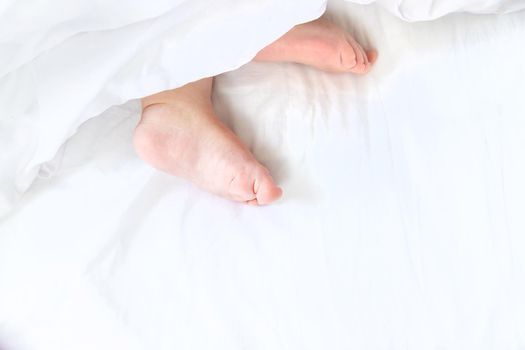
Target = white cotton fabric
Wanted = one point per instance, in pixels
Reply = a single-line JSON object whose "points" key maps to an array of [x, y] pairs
{"points": [[422, 10], [401, 225], [63, 62]]}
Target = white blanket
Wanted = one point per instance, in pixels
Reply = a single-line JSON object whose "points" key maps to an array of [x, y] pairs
{"points": [[65, 62], [419, 10], [401, 226]]}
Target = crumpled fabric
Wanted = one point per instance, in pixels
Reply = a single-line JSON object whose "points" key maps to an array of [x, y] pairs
{"points": [[78, 58], [424, 10], [63, 62]]}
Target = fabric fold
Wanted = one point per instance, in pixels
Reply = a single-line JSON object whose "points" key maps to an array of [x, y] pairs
{"points": [[57, 76]]}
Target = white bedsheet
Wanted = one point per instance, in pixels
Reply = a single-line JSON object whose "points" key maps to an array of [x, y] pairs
{"points": [[63, 62], [401, 226]]}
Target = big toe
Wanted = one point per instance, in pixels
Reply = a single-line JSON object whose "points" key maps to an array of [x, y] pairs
{"points": [[254, 186], [265, 189]]}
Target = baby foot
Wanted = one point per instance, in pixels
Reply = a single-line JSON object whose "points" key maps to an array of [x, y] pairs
{"points": [[180, 134], [322, 45]]}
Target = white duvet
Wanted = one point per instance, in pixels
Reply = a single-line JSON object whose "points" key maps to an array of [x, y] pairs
{"points": [[401, 225], [63, 62]]}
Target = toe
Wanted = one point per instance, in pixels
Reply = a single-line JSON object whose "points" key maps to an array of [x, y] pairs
{"points": [[365, 56], [254, 187], [252, 202], [362, 58], [363, 66], [266, 190], [372, 56], [347, 61], [347, 58]]}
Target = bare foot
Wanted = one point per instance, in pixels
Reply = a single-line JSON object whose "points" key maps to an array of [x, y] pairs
{"points": [[322, 45], [180, 134]]}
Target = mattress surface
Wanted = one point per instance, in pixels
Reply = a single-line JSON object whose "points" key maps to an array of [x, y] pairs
{"points": [[401, 225]]}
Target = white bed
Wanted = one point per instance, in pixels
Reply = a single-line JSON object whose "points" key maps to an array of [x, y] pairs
{"points": [[402, 224]]}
